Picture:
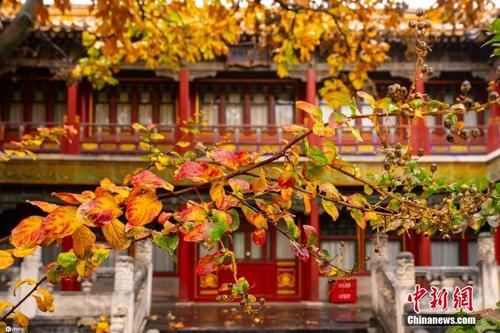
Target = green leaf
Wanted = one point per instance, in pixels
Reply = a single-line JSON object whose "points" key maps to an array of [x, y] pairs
{"points": [[317, 156], [383, 103], [311, 171], [167, 243], [235, 224], [368, 190], [394, 205], [482, 183], [66, 259], [292, 227], [219, 226]]}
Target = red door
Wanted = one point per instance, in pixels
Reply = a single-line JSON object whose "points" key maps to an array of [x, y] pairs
{"points": [[271, 269]]}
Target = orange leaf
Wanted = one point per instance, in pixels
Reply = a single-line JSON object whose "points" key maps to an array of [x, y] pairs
{"points": [[6, 259], [47, 207], [260, 184], [194, 213], [99, 211], [60, 223], [217, 194], [197, 234], [114, 233], [45, 300], [83, 241], [148, 179], [21, 253], [207, 264], [28, 233], [143, 208], [256, 219], [74, 198]]}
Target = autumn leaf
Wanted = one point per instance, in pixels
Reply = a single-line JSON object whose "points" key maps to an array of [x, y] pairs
{"points": [[167, 243], [357, 215], [5, 305], [107, 185], [28, 233], [330, 208], [193, 213], [6, 259], [44, 300], [299, 251], [193, 171], [142, 208], [99, 211], [198, 233], [73, 198], [259, 185], [21, 320], [225, 157], [314, 111], [84, 268], [357, 200], [83, 241], [217, 194], [311, 234], [256, 219], [47, 207], [239, 185], [27, 281], [148, 179], [21, 253], [60, 223], [207, 264], [259, 237], [114, 233], [369, 98]]}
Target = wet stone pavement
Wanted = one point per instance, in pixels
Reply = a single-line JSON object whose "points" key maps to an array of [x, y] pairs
{"points": [[275, 317]]}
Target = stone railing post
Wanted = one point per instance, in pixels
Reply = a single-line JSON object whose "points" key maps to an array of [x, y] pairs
{"points": [[405, 279], [378, 258], [488, 270], [30, 269], [122, 304], [144, 256]]}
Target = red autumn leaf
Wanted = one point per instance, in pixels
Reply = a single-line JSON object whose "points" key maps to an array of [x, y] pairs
{"points": [[212, 171], [300, 251], [99, 211], [148, 179], [286, 180], [28, 233], [191, 170], [198, 233], [357, 200], [74, 198], [246, 158], [311, 234], [259, 237], [207, 264], [164, 216], [142, 208], [225, 157], [47, 207]]}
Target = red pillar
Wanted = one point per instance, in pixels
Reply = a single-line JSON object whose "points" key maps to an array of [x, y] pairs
{"points": [[184, 106], [72, 145], [185, 257], [493, 125], [420, 134], [313, 274], [424, 250]]}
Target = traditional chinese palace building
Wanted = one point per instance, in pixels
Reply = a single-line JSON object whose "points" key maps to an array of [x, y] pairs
{"points": [[242, 98]]}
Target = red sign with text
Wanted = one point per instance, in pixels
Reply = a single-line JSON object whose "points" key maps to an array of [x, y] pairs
{"points": [[344, 291]]}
